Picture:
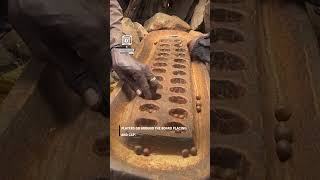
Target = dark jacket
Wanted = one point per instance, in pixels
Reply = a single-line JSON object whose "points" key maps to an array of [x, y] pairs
{"points": [[71, 34]]}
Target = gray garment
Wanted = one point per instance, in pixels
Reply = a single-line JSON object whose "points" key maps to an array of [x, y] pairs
{"points": [[70, 34], [116, 16]]}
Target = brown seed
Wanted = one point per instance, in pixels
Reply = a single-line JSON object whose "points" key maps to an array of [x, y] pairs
{"points": [[198, 97], [150, 110], [198, 109], [138, 150], [185, 153], [181, 116], [282, 132], [284, 150], [176, 115], [193, 151], [198, 103], [283, 113], [146, 151]]}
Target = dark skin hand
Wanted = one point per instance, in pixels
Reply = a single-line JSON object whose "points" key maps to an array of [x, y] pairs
{"points": [[137, 75], [199, 48]]}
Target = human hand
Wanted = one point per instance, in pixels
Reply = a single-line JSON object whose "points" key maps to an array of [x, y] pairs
{"points": [[199, 48], [135, 74]]}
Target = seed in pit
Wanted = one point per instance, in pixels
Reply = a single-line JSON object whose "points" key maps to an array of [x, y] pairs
{"points": [[198, 97], [181, 116], [284, 150], [283, 113], [185, 153], [193, 151], [138, 150], [198, 103], [198, 109], [150, 110], [176, 115], [146, 151]]}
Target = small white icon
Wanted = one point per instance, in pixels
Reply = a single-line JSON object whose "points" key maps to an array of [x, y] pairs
{"points": [[126, 40]]}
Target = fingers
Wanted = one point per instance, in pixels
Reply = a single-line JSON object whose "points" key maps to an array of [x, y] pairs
{"points": [[154, 83], [129, 82], [142, 82]]}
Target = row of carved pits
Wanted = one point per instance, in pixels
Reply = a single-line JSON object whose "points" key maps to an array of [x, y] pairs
{"points": [[179, 66], [165, 59], [226, 162], [160, 69], [164, 52], [169, 40], [178, 114], [161, 62], [175, 81], [167, 45]]}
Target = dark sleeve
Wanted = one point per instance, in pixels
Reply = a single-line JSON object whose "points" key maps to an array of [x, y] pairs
{"points": [[75, 32]]}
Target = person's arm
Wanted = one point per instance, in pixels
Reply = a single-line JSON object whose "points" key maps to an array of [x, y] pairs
{"points": [[115, 23], [135, 74]]}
